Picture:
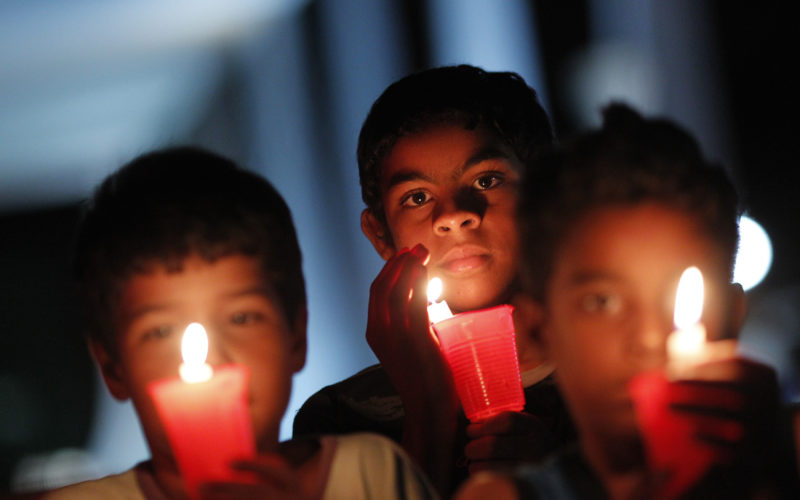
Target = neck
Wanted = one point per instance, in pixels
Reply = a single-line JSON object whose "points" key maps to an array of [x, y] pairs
{"points": [[621, 466]]}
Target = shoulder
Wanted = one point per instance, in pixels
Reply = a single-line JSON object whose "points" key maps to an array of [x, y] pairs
{"points": [[366, 401], [383, 469], [122, 486]]}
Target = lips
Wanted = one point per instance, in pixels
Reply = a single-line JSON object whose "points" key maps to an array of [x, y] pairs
{"points": [[464, 258]]}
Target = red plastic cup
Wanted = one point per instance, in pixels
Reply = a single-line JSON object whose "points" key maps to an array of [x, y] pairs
{"points": [[481, 349]]}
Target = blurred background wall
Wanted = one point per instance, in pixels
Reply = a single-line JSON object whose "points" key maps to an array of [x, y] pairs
{"points": [[282, 86]]}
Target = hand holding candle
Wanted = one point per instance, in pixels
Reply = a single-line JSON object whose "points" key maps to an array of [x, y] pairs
{"points": [[205, 415]]}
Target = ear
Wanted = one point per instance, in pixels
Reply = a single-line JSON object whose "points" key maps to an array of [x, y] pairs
{"points": [[299, 343], [109, 369], [738, 308], [378, 234]]}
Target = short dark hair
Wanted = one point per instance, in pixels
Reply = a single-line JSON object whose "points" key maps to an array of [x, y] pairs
{"points": [[167, 205], [501, 102], [629, 160]]}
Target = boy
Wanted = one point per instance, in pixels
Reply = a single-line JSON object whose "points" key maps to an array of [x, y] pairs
{"points": [[182, 236], [608, 226], [439, 157]]}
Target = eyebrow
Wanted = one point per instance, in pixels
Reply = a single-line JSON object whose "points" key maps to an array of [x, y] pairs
{"points": [[584, 277], [484, 154]]}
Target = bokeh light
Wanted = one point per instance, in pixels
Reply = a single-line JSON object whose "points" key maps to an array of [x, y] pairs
{"points": [[754, 257]]}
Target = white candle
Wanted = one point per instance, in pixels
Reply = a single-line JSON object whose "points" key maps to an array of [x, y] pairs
{"points": [[437, 311], [686, 345]]}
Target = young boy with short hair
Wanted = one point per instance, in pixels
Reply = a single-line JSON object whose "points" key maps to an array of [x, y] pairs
{"points": [[182, 236], [439, 157], [609, 223]]}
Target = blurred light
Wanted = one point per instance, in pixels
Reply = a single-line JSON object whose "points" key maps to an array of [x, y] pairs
{"points": [[754, 256]]}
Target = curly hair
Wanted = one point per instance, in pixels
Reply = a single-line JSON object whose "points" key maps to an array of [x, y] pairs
{"points": [[629, 160], [167, 205], [500, 102]]}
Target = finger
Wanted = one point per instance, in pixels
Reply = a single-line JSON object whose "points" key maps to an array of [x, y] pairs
{"points": [[507, 423], [719, 396], [521, 448]]}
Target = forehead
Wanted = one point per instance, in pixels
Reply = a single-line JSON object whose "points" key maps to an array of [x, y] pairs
{"points": [[443, 149], [637, 242], [197, 281]]}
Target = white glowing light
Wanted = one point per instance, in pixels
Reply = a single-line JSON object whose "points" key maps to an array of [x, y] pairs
{"points": [[434, 289], [194, 349], [689, 299], [437, 311], [688, 340], [754, 257]]}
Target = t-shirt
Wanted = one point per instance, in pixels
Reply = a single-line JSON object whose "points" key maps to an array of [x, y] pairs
{"points": [[367, 401], [361, 466]]}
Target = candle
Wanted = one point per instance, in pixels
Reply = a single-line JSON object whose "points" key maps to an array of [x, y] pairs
{"points": [[205, 415], [686, 344], [437, 311], [481, 350]]}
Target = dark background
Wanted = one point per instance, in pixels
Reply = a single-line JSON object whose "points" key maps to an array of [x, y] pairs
{"points": [[47, 382]]}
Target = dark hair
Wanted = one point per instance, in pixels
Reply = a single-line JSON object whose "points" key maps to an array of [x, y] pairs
{"points": [[502, 103], [167, 205], [629, 160]]}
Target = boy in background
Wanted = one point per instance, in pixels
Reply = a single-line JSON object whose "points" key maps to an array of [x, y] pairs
{"points": [[439, 157], [609, 224], [182, 236]]}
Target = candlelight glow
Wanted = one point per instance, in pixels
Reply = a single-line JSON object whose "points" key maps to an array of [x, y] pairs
{"points": [[689, 299], [688, 340], [434, 289], [194, 349], [437, 311]]}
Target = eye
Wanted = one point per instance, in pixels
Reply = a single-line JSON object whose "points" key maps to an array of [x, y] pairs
{"points": [[488, 181], [415, 199], [158, 332], [601, 303], [246, 318]]}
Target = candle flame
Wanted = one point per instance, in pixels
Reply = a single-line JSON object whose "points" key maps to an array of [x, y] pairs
{"points": [[689, 299], [194, 349], [434, 289]]}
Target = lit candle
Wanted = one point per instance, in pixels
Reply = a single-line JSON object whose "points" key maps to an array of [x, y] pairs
{"points": [[437, 311], [205, 415], [687, 343], [480, 349]]}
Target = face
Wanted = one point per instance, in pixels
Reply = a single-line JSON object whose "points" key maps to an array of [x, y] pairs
{"points": [[610, 303], [454, 191], [245, 324]]}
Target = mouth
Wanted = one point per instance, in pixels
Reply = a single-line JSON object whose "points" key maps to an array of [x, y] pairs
{"points": [[464, 258]]}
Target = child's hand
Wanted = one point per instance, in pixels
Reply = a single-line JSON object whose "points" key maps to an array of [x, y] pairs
{"points": [[507, 440], [721, 416], [274, 479], [399, 334]]}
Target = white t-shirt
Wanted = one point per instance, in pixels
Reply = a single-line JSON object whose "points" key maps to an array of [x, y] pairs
{"points": [[361, 466]]}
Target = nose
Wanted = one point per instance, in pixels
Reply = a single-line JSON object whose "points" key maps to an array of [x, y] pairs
{"points": [[455, 221], [647, 342], [459, 213]]}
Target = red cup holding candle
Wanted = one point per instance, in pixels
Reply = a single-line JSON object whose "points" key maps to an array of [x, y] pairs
{"points": [[206, 420], [480, 347]]}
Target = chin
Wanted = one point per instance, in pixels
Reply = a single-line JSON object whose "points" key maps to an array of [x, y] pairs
{"points": [[470, 300]]}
